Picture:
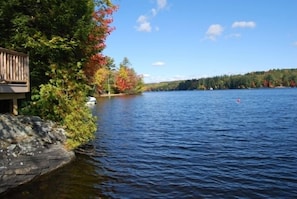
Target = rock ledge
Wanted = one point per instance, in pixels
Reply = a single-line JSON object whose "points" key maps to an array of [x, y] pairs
{"points": [[29, 147]]}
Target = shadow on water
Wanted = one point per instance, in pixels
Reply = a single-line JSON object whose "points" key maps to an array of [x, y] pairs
{"points": [[79, 179]]}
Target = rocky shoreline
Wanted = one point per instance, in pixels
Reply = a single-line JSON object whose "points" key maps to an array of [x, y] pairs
{"points": [[29, 148]]}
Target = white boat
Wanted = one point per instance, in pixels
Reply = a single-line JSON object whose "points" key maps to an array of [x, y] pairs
{"points": [[91, 101]]}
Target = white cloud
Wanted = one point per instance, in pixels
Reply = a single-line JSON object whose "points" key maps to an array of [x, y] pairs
{"points": [[295, 43], [158, 63], [214, 31], [144, 27], [143, 24], [161, 4], [244, 24], [143, 21]]}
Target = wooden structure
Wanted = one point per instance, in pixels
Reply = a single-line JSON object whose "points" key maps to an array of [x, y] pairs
{"points": [[14, 77]]}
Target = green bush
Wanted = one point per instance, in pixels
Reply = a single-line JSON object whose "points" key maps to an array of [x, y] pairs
{"points": [[63, 100]]}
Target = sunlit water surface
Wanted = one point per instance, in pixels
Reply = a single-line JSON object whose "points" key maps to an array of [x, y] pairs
{"points": [[195, 144]]}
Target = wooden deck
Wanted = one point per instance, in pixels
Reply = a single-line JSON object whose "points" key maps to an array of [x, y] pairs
{"points": [[14, 76]]}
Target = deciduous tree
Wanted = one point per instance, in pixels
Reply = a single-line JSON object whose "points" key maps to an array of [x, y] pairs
{"points": [[127, 81], [62, 38], [96, 39]]}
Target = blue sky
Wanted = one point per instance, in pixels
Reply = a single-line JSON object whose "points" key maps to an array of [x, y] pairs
{"points": [[167, 40]]}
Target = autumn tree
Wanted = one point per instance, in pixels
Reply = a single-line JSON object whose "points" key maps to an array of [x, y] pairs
{"points": [[62, 38], [126, 80], [96, 40], [104, 77], [101, 79]]}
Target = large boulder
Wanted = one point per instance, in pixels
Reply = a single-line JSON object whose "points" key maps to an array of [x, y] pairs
{"points": [[29, 147]]}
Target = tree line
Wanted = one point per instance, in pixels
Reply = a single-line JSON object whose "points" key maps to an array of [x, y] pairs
{"points": [[261, 79], [65, 40]]}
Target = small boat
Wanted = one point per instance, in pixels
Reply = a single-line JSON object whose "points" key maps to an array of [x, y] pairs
{"points": [[91, 101]]}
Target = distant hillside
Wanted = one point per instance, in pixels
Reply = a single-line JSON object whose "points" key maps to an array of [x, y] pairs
{"points": [[260, 79], [162, 86]]}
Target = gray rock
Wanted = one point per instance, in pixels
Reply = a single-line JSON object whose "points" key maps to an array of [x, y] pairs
{"points": [[11, 147], [29, 147]]}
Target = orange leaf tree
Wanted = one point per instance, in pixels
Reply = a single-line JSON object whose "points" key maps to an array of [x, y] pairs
{"points": [[96, 41], [126, 79]]}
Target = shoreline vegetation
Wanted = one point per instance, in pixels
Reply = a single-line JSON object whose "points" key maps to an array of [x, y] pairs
{"points": [[65, 43], [111, 95], [275, 78]]}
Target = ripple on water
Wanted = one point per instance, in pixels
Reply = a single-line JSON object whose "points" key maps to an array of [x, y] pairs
{"points": [[190, 145]]}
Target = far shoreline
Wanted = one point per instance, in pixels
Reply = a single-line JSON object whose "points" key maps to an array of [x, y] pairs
{"points": [[111, 95]]}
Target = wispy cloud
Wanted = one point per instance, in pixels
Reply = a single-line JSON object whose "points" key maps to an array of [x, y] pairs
{"points": [[214, 31], [146, 75], [143, 24], [161, 4], [244, 24], [158, 63], [143, 21], [295, 44]]}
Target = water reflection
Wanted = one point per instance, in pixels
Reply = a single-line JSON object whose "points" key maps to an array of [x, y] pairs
{"points": [[79, 179]]}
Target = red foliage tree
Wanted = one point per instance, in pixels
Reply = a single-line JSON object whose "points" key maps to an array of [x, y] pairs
{"points": [[102, 20], [127, 80]]}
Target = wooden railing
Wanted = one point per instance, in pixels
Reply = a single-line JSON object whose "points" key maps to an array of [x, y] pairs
{"points": [[14, 67], [14, 78]]}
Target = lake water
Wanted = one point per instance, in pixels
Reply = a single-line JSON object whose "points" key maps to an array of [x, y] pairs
{"points": [[187, 144]]}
